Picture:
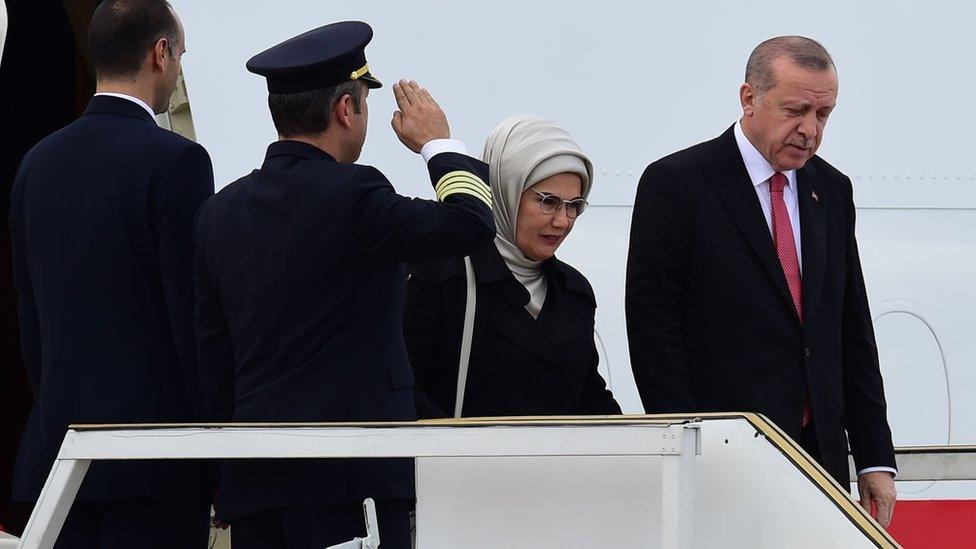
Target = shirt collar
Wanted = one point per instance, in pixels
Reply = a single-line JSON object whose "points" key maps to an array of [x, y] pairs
{"points": [[135, 100], [756, 164]]}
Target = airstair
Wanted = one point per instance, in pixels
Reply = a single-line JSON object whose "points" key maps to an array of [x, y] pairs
{"points": [[670, 482]]}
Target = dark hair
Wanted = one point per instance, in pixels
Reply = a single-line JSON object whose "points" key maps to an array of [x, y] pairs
{"points": [[308, 113], [122, 32], [803, 51]]}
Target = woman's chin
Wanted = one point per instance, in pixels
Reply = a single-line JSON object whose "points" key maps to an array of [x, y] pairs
{"points": [[540, 255]]}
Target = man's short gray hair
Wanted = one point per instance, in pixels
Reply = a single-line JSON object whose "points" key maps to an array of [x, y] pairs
{"points": [[803, 51]]}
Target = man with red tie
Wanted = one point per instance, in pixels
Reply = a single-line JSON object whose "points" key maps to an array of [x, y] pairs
{"points": [[744, 286]]}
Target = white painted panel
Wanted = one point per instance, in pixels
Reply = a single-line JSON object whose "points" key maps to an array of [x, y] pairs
{"points": [[748, 495], [7, 541], [916, 385], [579, 502]]}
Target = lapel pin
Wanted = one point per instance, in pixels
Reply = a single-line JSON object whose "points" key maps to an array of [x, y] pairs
{"points": [[814, 196]]}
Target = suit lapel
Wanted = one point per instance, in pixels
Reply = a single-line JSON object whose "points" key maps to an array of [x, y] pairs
{"points": [[558, 320], [728, 176], [506, 310], [543, 336], [813, 239], [514, 322]]}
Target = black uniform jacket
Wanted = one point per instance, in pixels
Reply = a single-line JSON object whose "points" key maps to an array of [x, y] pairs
{"points": [[101, 216], [518, 365], [300, 292], [711, 323]]}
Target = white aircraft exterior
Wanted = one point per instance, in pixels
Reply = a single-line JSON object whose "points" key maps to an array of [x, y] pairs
{"points": [[635, 81]]}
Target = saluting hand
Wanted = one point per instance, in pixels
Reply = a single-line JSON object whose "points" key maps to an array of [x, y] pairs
{"points": [[419, 118]]}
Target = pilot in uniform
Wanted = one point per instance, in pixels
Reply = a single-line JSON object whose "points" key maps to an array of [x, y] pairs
{"points": [[300, 282]]}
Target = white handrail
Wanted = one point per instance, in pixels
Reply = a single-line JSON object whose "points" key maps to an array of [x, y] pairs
{"points": [[82, 444], [372, 539]]}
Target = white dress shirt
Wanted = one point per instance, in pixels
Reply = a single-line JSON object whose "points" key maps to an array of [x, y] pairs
{"points": [[135, 100], [437, 146], [760, 172]]}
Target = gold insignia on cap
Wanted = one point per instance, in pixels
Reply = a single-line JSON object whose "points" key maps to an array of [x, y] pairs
{"points": [[356, 74]]}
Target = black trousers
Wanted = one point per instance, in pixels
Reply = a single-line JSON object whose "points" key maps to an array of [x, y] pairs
{"points": [[143, 523], [315, 527]]}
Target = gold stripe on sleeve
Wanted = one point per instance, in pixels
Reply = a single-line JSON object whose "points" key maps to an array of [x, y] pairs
{"points": [[452, 186], [469, 192], [461, 174], [458, 181]]}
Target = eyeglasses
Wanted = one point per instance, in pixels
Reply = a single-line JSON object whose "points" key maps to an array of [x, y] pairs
{"points": [[551, 204]]}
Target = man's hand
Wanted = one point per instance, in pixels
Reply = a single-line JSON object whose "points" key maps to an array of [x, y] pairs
{"points": [[878, 495], [419, 118]]}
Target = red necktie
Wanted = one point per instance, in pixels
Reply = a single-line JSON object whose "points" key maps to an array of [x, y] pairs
{"points": [[786, 251]]}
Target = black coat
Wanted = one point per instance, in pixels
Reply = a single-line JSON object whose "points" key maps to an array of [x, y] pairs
{"points": [[101, 217], [711, 323], [300, 291], [518, 365]]}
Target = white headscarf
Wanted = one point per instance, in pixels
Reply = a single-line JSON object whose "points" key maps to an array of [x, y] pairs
{"points": [[520, 152]]}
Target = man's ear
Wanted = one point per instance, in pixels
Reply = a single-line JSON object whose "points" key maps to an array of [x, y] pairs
{"points": [[161, 54], [344, 110], [747, 98]]}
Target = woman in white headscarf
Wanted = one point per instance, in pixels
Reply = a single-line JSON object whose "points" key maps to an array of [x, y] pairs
{"points": [[529, 348]]}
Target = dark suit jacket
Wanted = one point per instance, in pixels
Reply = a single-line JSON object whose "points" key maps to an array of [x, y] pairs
{"points": [[710, 319], [101, 216], [300, 291], [518, 365]]}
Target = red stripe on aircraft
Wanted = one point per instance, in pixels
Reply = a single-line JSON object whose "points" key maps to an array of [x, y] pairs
{"points": [[935, 524]]}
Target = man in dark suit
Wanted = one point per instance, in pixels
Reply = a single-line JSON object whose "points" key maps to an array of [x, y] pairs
{"points": [[101, 220], [300, 289], [744, 286]]}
